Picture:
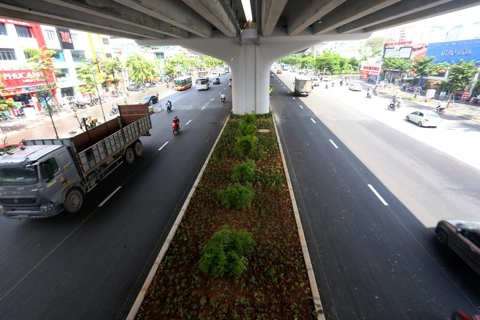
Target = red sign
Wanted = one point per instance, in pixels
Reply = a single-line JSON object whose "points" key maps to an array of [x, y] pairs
{"points": [[465, 95], [20, 78], [397, 44]]}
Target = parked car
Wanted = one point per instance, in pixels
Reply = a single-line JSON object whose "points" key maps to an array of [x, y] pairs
{"points": [[424, 118], [216, 81], [463, 237], [149, 100], [355, 87]]}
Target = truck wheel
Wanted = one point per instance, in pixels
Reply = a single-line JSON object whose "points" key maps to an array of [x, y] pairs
{"points": [[138, 148], [73, 201], [129, 155]]}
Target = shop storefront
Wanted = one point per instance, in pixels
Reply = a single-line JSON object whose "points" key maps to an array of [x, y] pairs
{"points": [[22, 86]]}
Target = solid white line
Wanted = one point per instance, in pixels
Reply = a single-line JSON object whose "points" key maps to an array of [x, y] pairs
{"points": [[111, 195], [188, 122], [163, 146], [378, 195], [312, 120], [333, 143], [203, 107], [300, 106]]}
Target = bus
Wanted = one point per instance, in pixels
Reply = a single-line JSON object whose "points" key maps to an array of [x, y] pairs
{"points": [[182, 83], [202, 84]]}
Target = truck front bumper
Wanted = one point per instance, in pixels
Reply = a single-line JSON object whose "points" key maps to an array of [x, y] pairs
{"points": [[43, 211]]}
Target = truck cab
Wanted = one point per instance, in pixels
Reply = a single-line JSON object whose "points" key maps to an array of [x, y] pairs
{"points": [[34, 180]]}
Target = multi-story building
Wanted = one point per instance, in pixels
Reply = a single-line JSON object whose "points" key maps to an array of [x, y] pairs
{"points": [[72, 48]]}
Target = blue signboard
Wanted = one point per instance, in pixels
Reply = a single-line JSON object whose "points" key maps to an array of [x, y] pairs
{"points": [[454, 51]]}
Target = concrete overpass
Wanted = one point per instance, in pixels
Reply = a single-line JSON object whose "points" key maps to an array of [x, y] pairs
{"points": [[219, 28]]}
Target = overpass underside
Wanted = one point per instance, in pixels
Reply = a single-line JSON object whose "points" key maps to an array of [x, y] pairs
{"points": [[220, 28]]}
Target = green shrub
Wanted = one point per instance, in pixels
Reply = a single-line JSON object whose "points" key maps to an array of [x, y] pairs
{"points": [[244, 172], [226, 252], [249, 118], [245, 129], [246, 145], [237, 196]]}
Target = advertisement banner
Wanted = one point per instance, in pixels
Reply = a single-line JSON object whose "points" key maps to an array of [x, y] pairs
{"points": [[65, 38], [454, 51], [20, 78]]}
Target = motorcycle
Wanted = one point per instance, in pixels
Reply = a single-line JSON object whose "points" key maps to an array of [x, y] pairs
{"points": [[441, 108], [391, 106], [81, 105], [113, 110], [460, 315], [169, 107], [369, 96], [326, 86], [222, 98], [175, 128]]}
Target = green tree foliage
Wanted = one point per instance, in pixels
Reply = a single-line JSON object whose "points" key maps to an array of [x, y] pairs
{"points": [[244, 172], [112, 70], [41, 63], [87, 73], [237, 196], [245, 145], [461, 75], [5, 103], [226, 253], [140, 69], [423, 67], [210, 62], [398, 64], [179, 65], [372, 48]]}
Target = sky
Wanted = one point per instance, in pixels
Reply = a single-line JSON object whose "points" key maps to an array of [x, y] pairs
{"points": [[464, 16]]}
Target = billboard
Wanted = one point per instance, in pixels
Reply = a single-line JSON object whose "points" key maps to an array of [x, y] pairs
{"points": [[400, 52], [454, 51]]}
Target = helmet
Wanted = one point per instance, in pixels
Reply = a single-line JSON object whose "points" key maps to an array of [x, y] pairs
{"points": [[176, 118]]}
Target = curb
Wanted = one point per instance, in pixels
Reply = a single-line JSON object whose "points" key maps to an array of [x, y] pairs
{"points": [[306, 255], [138, 302]]}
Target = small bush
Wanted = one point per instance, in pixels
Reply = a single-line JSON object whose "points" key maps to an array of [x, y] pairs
{"points": [[246, 129], [249, 118], [244, 172], [246, 145], [237, 196], [225, 253]]}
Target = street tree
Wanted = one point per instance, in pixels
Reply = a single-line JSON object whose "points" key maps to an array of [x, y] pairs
{"points": [[40, 60], [180, 65], [371, 48], [423, 67], [112, 69], [210, 62], [396, 64], [140, 69], [461, 75]]}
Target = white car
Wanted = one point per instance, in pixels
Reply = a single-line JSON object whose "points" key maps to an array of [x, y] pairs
{"points": [[355, 87], [424, 118], [315, 81]]}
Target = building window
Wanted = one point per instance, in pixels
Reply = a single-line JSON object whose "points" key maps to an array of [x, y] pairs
{"points": [[7, 54], [23, 32], [78, 55], [62, 73], [105, 40], [108, 55], [27, 55], [3, 29], [58, 56], [50, 34], [74, 37]]}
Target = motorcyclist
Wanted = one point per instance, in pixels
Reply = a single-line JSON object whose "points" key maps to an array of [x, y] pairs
{"points": [[176, 122], [369, 92], [441, 107], [169, 105], [222, 97]]}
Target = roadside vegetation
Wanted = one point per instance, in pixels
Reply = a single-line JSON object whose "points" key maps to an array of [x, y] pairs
{"points": [[236, 253]]}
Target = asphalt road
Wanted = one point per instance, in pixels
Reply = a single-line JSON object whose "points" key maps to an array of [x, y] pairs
{"points": [[91, 265], [369, 191]]}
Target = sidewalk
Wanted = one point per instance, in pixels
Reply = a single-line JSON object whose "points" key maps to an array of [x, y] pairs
{"points": [[461, 109]]}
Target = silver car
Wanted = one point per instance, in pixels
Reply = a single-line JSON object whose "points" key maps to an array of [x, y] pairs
{"points": [[424, 118], [463, 237]]}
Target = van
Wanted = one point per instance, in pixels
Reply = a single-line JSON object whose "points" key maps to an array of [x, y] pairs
{"points": [[315, 81]]}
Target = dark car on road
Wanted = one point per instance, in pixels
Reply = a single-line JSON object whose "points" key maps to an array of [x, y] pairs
{"points": [[149, 100], [216, 81], [463, 237]]}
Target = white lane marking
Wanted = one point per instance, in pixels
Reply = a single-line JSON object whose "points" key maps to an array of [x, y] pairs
{"points": [[203, 108], [378, 195], [111, 195], [312, 120], [293, 98], [163, 146], [333, 143], [188, 122], [212, 99], [300, 106]]}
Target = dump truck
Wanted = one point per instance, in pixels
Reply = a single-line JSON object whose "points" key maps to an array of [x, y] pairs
{"points": [[44, 177], [303, 86]]}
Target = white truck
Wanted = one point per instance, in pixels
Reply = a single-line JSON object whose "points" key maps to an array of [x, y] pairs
{"points": [[303, 86], [44, 177]]}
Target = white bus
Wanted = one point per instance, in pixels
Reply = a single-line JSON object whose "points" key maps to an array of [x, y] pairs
{"points": [[202, 84]]}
